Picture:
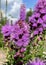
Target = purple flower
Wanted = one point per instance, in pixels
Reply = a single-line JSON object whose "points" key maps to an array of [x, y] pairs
{"points": [[40, 21], [40, 29], [37, 21], [44, 26], [23, 12], [40, 5], [20, 34], [34, 25], [32, 19], [43, 11], [44, 18], [35, 32], [22, 50], [36, 62], [37, 14], [16, 56], [6, 31]]}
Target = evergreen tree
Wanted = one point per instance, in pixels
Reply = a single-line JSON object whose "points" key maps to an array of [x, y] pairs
{"points": [[29, 13]]}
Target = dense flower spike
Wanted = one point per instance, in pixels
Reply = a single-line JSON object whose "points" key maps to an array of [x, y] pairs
{"points": [[23, 12], [6, 31], [36, 62], [20, 34], [38, 19]]}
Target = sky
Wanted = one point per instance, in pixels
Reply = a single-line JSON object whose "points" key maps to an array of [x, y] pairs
{"points": [[30, 3], [13, 8]]}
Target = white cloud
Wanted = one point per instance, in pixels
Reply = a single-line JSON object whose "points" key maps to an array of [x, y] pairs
{"points": [[14, 8], [27, 9]]}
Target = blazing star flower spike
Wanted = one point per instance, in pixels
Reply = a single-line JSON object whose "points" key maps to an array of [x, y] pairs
{"points": [[21, 34], [38, 19], [23, 12]]}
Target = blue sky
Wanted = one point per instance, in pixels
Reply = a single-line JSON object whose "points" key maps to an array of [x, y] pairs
{"points": [[30, 3], [14, 7]]}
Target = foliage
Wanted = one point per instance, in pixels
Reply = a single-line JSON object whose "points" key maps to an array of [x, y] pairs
{"points": [[2, 22], [29, 13]]}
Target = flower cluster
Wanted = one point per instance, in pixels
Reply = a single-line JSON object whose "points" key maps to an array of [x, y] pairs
{"points": [[36, 62], [20, 34], [22, 12], [38, 19], [6, 31]]}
